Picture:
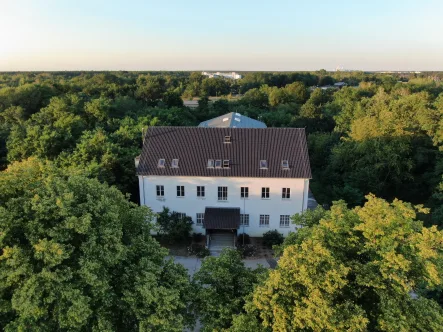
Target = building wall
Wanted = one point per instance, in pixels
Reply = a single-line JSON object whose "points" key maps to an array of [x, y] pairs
{"points": [[254, 205]]}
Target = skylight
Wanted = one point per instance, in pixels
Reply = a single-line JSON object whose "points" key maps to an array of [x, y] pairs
{"points": [[174, 163], [161, 163], [226, 163], [227, 139], [263, 164], [210, 163], [218, 163], [285, 164]]}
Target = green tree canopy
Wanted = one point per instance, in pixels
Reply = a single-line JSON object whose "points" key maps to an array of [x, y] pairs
{"points": [[222, 285], [356, 270], [76, 255]]}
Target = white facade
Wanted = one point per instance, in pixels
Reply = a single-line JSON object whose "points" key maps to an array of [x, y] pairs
{"points": [[254, 206]]}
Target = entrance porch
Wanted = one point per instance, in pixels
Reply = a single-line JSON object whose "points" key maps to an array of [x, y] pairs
{"points": [[221, 226]]}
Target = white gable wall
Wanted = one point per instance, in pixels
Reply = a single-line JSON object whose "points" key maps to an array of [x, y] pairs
{"points": [[254, 205]]}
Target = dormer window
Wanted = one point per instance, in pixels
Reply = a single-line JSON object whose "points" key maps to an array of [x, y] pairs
{"points": [[226, 163], [174, 163], [218, 163], [161, 163], [227, 139], [263, 164], [210, 163], [284, 164]]}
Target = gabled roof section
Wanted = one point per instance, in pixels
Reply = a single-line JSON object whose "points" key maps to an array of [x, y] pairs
{"points": [[232, 120], [194, 146]]}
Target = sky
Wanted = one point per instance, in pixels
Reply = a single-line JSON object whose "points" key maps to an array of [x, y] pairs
{"points": [[237, 35]]}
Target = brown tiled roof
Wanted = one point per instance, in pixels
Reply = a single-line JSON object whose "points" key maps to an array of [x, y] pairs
{"points": [[222, 218], [193, 146]]}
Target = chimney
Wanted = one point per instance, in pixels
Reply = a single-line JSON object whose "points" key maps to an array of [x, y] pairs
{"points": [[137, 161]]}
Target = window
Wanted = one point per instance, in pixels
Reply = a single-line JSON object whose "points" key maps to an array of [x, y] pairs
{"points": [[174, 163], [286, 193], [227, 139], [210, 163], [285, 164], [284, 220], [264, 220], [181, 215], [200, 218], [222, 193], [161, 163], [180, 191], [265, 192], [225, 163], [160, 190], [218, 163], [200, 191], [244, 192], [244, 219], [263, 164]]}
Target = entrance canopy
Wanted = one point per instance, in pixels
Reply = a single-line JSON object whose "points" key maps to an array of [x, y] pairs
{"points": [[222, 218]]}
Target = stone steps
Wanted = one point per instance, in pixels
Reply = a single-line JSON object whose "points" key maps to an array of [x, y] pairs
{"points": [[219, 242]]}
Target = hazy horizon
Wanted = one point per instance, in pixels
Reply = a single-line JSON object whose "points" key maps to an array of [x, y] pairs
{"points": [[50, 35]]}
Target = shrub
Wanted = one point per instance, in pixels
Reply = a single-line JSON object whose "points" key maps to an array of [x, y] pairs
{"points": [[198, 250], [247, 250], [272, 238], [197, 237], [243, 238], [173, 227]]}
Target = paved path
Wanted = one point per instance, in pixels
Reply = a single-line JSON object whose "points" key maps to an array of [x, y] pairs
{"points": [[193, 264]]}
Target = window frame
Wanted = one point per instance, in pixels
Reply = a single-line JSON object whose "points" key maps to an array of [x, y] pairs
{"points": [[159, 188], [244, 217], [174, 163], [211, 163], [285, 193], [161, 163], [180, 191], [265, 193], [226, 163], [219, 162], [227, 139], [223, 190], [285, 220], [264, 220], [244, 192], [199, 217], [285, 164], [201, 192]]}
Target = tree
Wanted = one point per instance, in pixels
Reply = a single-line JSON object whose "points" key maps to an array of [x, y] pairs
{"points": [[76, 255], [150, 88], [356, 269], [172, 99], [222, 284], [298, 92], [256, 98]]}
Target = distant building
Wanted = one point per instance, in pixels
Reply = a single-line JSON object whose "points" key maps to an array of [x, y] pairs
{"points": [[340, 84], [233, 75], [232, 120], [190, 103]]}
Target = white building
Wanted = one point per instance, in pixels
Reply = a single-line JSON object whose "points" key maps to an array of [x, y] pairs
{"points": [[238, 179], [231, 75]]}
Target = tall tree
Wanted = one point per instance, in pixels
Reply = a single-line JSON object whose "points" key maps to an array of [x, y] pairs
{"points": [[355, 270], [76, 255], [222, 284]]}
